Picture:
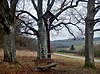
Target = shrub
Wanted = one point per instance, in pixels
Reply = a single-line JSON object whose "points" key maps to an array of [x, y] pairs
{"points": [[80, 52], [96, 51], [72, 47]]}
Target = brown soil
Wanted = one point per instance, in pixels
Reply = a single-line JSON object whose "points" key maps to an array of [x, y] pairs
{"points": [[26, 65]]}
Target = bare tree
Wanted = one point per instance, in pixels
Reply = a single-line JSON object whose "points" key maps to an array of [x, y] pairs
{"points": [[64, 6], [7, 16], [93, 7], [89, 50], [38, 6]]}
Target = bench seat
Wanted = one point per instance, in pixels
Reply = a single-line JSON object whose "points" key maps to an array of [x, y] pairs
{"points": [[44, 64]]}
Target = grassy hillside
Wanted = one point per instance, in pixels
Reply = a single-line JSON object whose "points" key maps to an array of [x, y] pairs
{"points": [[68, 42]]}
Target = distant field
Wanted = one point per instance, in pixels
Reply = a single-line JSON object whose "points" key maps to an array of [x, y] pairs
{"points": [[77, 47], [68, 42]]}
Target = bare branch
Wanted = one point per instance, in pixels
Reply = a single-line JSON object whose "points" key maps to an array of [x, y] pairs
{"points": [[70, 31], [67, 7], [71, 2], [77, 27], [65, 24], [96, 30], [30, 28], [54, 26], [97, 9], [78, 20], [87, 1], [63, 4], [33, 2], [71, 6], [96, 20], [79, 13], [22, 11], [26, 33], [49, 5]]}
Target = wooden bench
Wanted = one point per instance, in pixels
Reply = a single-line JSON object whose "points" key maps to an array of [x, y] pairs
{"points": [[44, 64]]}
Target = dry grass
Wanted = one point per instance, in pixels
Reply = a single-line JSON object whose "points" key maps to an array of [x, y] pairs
{"points": [[26, 65]]}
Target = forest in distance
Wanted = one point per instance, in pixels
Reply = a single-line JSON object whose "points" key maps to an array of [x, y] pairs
{"points": [[68, 42]]}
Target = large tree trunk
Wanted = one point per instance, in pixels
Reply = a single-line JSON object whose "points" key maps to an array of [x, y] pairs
{"points": [[7, 13], [42, 40], [89, 49], [9, 46], [42, 37]]}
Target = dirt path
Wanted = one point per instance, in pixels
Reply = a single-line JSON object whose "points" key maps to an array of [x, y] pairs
{"points": [[30, 53], [75, 57]]}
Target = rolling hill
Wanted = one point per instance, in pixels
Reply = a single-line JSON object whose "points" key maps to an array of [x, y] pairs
{"points": [[68, 42]]}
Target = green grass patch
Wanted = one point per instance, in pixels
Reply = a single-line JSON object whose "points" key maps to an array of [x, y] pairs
{"points": [[77, 47], [72, 54]]}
